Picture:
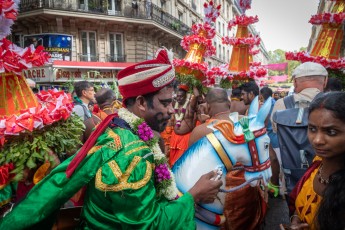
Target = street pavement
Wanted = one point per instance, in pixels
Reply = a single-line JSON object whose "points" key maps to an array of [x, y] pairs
{"points": [[277, 213]]}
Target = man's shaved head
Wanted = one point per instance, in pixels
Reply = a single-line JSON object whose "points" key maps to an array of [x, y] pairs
{"points": [[217, 95]]}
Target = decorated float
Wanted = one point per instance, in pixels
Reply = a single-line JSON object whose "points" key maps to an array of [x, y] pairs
{"points": [[326, 50], [36, 131], [192, 70], [241, 67]]}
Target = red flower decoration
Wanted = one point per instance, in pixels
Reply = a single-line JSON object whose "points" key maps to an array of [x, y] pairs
{"points": [[242, 20], [330, 18], [5, 173]]}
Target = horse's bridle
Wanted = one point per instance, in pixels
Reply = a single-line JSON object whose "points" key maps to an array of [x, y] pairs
{"points": [[257, 166]]}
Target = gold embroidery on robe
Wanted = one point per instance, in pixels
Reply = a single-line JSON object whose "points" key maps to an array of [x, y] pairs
{"points": [[123, 177]]}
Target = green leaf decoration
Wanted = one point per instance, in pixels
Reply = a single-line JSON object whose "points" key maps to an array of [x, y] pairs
{"points": [[31, 149], [191, 81]]}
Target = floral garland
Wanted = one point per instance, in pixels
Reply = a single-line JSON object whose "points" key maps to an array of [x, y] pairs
{"points": [[306, 57], [251, 40], [53, 106], [179, 116], [198, 70], [164, 178], [255, 71], [242, 20], [15, 59], [332, 18], [200, 28], [245, 5], [254, 52], [192, 39], [8, 14], [211, 12]]}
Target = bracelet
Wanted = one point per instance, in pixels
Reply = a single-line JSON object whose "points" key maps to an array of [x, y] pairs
{"points": [[293, 217], [273, 189]]}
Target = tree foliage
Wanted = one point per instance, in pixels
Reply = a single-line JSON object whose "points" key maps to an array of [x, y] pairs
{"points": [[278, 56]]}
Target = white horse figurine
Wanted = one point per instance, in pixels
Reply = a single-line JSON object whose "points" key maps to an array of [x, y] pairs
{"points": [[243, 141]]}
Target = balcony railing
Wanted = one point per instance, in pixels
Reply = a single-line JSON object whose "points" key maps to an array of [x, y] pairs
{"points": [[116, 58], [88, 57], [147, 12]]}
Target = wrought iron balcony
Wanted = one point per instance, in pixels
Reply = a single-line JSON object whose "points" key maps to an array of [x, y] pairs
{"points": [[88, 57], [116, 58], [143, 11]]}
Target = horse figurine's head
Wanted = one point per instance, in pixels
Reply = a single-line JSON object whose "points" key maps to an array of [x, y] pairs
{"points": [[241, 140]]}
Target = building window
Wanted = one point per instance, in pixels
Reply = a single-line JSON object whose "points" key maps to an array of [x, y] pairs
{"points": [[220, 51], [88, 46], [223, 57], [116, 48], [194, 4], [219, 28], [180, 16]]}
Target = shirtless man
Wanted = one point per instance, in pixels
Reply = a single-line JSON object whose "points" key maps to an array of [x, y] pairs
{"points": [[184, 121], [237, 105]]}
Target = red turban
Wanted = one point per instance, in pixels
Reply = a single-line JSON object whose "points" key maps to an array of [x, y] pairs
{"points": [[184, 87], [147, 77]]}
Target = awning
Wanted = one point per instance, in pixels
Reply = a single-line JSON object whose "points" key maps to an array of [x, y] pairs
{"points": [[30, 82], [91, 65]]}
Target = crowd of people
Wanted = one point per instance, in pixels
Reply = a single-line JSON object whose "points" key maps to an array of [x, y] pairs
{"points": [[126, 140]]}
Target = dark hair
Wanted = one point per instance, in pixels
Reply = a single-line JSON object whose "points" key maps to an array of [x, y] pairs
{"points": [[217, 95], [251, 87], [331, 212], [183, 91], [35, 90], [236, 92], [129, 102], [80, 86], [104, 95], [333, 84], [333, 101], [266, 92]]}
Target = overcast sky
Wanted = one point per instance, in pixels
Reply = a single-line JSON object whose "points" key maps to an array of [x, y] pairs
{"points": [[283, 24]]}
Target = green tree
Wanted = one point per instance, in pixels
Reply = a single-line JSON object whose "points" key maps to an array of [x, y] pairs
{"points": [[278, 56]]}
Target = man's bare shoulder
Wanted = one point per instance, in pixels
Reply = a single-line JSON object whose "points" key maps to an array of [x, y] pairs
{"points": [[199, 132]]}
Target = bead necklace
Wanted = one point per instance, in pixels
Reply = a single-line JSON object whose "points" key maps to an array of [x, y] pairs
{"points": [[180, 115]]}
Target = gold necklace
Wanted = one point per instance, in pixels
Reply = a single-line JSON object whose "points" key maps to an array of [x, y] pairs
{"points": [[321, 179]]}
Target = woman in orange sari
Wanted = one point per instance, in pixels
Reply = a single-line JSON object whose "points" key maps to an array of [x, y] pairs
{"points": [[326, 133]]}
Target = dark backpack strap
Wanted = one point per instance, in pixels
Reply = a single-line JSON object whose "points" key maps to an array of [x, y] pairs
{"points": [[289, 102]]}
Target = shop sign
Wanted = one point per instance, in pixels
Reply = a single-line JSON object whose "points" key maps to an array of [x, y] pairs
{"points": [[66, 74], [38, 74], [59, 46]]}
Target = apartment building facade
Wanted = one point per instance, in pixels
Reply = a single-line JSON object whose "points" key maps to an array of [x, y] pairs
{"points": [[97, 38]]}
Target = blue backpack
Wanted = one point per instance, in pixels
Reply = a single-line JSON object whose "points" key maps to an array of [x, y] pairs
{"points": [[292, 131]]}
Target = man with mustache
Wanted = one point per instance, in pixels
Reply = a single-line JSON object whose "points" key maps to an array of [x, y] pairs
{"points": [[129, 184]]}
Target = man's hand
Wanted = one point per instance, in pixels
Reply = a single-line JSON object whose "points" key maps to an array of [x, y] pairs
{"points": [[205, 189]]}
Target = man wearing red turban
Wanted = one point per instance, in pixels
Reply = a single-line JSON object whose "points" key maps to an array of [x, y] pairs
{"points": [[128, 182]]}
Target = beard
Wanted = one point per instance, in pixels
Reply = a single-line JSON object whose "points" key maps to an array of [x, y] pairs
{"points": [[158, 122]]}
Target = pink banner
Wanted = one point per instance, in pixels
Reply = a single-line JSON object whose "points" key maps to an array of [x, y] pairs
{"points": [[279, 78], [277, 66]]}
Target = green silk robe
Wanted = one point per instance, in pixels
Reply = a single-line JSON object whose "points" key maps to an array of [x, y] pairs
{"points": [[119, 174]]}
